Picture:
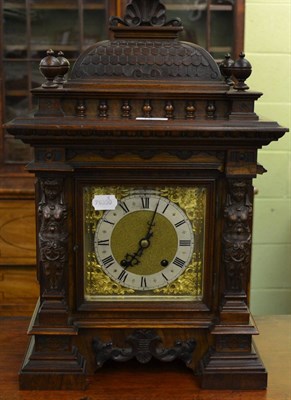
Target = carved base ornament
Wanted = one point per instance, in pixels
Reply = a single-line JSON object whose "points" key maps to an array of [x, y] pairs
{"points": [[144, 160], [143, 345]]}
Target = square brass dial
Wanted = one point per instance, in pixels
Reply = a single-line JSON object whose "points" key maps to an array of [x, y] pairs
{"points": [[143, 243]]}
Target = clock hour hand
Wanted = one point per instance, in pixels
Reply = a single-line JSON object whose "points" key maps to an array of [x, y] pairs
{"points": [[131, 260]]}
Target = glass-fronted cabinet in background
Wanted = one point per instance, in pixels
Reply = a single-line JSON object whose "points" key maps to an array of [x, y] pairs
{"points": [[29, 27], [216, 25]]}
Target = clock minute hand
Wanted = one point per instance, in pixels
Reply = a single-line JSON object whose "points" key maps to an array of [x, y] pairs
{"points": [[133, 259], [151, 224], [144, 243]]}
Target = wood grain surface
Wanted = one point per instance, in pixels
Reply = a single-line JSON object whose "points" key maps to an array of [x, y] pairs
{"points": [[130, 381]]}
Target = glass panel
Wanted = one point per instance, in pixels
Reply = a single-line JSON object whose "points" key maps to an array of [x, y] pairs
{"points": [[94, 4], [36, 77], [16, 104], [29, 29], [54, 4], [223, 2], [94, 27], [193, 14], [221, 33], [57, 29], [16, 83], [200, 16], [118, 266], [14, 29], [14, 3]]}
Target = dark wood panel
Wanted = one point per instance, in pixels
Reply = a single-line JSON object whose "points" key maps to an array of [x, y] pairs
{"points": [[162, 381]]}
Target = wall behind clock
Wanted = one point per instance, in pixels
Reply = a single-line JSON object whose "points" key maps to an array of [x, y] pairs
{"points": [[268, 47]]}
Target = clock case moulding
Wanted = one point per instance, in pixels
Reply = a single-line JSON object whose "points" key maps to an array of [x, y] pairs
{"points": [[144, 110]]}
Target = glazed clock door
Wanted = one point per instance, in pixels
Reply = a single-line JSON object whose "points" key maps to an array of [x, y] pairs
{"points": [[143, 243]]}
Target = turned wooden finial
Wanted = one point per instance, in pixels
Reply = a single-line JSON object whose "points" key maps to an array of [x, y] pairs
{"points": [[50, 68], [226, 69], [241, 70], [65, 66]]}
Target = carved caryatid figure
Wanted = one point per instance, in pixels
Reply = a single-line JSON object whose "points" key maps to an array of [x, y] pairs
{"points": [[53, 234], [237, 235]]}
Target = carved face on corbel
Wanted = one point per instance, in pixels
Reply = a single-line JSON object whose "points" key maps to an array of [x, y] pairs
{"points": [[238, 190], [51, 188]]}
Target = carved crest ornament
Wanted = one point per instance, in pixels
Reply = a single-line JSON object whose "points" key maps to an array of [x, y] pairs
{"points": [[145, 13]]}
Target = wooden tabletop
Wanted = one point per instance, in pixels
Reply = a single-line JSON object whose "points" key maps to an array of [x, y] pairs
{"points": [[130, 381]]}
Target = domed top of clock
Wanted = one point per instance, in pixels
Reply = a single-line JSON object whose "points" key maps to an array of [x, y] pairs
{"points": [[146, 46]]}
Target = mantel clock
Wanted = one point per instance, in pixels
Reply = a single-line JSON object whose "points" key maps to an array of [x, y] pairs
{"points": [[144, 161]]}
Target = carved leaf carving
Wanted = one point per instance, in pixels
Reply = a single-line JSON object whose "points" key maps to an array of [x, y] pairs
{"points": [[140, 12]]}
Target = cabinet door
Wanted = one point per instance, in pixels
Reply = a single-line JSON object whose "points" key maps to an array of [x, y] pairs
{"points": [[217, 25], [30, 28]]}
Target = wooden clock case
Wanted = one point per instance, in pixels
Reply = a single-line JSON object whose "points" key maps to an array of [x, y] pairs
{"points": [[195, 129]]}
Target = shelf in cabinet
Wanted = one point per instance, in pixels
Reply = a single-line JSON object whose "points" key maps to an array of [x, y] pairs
{"points": [[220, 7], [186, 7], [220, 49], [65, 6], [199, 7], [17, 59], [53, 6], [15, 6], [55, 46], [15, 47], [17, 93], [93, 7], [37, 47]]}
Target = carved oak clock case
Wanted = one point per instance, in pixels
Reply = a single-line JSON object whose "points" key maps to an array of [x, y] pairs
{"points": [[144, 161]]}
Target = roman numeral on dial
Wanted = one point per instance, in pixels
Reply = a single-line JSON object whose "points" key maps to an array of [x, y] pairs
{"points": [[165, 209], [185, 243], [180, 223], [123, 276], [145, 202], [180, 263], [108, 222], [164, 276], [108, 261], [124, 207], [103, 242], [143, 282]]}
